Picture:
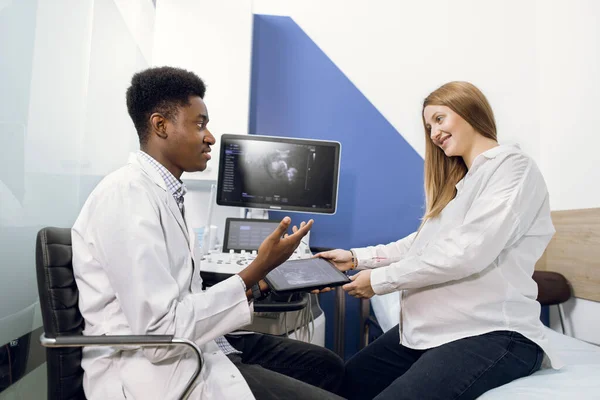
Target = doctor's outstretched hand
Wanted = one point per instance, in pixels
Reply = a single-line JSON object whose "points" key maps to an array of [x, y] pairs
{"points": [[274, 250], [342, 259], [360, 287]]}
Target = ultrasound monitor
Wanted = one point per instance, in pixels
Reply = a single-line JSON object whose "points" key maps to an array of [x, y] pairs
{"points": [[277, 173]]}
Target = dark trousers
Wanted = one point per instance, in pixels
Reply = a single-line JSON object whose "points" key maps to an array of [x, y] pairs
{"points": [[281, 368], [463, 369]]}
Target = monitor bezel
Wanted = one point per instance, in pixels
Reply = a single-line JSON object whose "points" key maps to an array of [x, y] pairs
{"points": [[278, 139]]}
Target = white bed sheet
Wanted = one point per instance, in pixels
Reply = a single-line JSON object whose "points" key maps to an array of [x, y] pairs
{"points": [[579, 379]]}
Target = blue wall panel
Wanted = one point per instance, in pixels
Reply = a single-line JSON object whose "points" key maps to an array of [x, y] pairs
{"points": [[297, 91]]}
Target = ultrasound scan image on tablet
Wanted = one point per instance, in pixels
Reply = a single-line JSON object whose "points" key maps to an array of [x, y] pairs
{"points": [[305, 275]]}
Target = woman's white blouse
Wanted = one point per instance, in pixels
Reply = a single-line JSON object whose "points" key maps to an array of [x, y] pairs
{"points": [[469, 271]]}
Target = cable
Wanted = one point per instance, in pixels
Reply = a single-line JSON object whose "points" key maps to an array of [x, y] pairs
{"points": [[312, 320], [306, 321], [319, 307], [305, 324], [297, 327], [287, 332], [10, 380]]}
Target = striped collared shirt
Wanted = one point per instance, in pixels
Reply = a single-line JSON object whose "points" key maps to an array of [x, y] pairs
{"points": [[174, 185]]}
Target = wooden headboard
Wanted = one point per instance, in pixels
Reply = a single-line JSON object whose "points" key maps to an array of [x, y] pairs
{"points": [[574, 251]]}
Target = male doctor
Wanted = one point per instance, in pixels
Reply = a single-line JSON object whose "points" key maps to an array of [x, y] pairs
{"points": [[135, 269]]}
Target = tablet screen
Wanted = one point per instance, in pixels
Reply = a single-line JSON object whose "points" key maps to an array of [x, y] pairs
{"points": [[306, 274]]}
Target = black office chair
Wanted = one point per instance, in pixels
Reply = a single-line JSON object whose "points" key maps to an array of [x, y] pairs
{"points": [[63, 323]]}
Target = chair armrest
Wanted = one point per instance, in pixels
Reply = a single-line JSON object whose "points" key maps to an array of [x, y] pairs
{"points": [[129, 340], [121, 340]]}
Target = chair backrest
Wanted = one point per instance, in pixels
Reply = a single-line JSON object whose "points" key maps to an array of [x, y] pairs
{"points": [[553, 288], [60, 312]]}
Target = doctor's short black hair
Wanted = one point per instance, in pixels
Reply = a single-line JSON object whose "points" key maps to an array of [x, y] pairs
{"points": [[163, 90]]}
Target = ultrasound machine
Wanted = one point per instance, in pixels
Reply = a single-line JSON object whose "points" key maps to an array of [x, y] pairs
{"points": [[272, 173]]}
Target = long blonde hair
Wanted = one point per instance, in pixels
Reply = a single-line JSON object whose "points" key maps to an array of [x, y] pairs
{"points": [[442, 173]]}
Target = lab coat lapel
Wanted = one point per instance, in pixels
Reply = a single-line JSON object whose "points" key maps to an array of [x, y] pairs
{"points": [[160, 182], [191, 236], [174, 208]]}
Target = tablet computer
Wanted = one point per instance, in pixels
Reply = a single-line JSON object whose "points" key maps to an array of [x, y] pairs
{"points": [[305, 275]]}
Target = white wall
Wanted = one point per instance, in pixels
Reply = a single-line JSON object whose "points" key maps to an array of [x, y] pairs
{"points": [[397, 52], [214, 40], [536, 61], [568, 48]]}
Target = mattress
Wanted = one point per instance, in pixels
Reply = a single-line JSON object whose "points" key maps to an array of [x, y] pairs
{"points": [[579, 379]]}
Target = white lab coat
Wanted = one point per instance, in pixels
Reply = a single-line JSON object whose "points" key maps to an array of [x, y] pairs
{"points": [[132, 258]]}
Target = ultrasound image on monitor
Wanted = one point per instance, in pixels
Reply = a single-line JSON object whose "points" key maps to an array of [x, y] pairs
{"points": [[278, 173]]}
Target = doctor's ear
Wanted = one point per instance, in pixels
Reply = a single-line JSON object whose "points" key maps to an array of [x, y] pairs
{"points": [[158, 125]]}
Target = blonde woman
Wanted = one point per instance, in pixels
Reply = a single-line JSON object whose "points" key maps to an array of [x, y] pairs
{"points": [[469, 319]]}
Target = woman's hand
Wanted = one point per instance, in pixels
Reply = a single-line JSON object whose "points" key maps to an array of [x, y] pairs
{"points": [[360, 287], [342, 259]]}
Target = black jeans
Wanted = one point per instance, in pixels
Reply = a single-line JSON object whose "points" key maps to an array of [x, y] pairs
{"points": [[463, 369], [281, 368]]}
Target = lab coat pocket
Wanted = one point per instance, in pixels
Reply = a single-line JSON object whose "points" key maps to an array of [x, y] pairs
{"points": [[142, 379]]}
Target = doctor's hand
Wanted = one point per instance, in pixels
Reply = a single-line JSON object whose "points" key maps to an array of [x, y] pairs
{"points": [[295, 229], [360, 287], [273, 251], [276, 249]]}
